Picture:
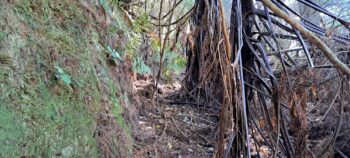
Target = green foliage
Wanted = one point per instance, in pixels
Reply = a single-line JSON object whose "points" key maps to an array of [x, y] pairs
{"points": [[133, 44], [115, 3], [142, 23], [60, 74], [139, 66], [114, 54], [174, 63]]}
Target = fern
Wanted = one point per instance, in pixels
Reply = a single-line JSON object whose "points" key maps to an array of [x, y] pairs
{"points": [[114, 54], [173, 63], [139, 66]]}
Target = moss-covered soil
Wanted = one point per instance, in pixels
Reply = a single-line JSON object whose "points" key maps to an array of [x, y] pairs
{"points": [[59, 93]]}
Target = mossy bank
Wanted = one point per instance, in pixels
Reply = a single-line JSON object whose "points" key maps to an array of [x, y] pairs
{"points": [[60, 89]]}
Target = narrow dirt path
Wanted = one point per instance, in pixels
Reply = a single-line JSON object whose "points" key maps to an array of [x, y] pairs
{"points": [[170, 128]]}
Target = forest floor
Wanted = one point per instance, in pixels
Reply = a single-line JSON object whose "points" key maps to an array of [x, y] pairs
{"points": [[167, 128], [174, 127]]}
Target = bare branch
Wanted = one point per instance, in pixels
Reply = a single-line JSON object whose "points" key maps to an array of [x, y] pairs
{"points": [[310, 36]]}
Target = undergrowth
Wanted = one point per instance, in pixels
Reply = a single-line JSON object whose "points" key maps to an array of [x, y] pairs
{"points": [[173, 61]]}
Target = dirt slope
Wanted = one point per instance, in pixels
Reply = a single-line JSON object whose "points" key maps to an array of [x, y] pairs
{"points": [[60, 95]]}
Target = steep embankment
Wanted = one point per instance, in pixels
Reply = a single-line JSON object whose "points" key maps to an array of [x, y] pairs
{"points": [[62, 93]]}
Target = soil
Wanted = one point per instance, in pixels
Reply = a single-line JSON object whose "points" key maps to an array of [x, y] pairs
{"points": [[168, 128]]}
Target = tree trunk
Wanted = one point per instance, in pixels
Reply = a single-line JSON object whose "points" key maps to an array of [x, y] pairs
{"points": [[209, 72], [203, 67]]}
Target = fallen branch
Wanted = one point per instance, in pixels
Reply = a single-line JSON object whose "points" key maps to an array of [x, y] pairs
{"points": [[182, 133], [285, 51], [309, 35]]}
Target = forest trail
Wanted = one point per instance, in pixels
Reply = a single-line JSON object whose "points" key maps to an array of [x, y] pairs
{"points": [[174, 127], [170, 128], [261, 89]]}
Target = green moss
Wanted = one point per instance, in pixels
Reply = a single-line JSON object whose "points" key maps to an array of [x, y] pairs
{"points": [[2, 36], [10, 134], [40, 115]]}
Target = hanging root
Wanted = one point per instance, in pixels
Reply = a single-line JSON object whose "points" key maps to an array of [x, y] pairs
{"points": [[259, 107]]}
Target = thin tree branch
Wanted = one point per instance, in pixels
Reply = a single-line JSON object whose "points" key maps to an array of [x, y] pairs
{"points": [[310, 36]]}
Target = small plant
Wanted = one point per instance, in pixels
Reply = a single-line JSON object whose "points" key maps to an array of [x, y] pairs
{"points": [[114, 54], [114, 57], [173, 62], [142, 23], [139, 66], [60, 74]]}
